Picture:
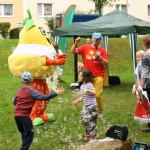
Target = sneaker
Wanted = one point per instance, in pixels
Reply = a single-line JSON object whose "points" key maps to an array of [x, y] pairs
{"points": [[146, 130], [86, 137], [100, 116], [93, 137]]}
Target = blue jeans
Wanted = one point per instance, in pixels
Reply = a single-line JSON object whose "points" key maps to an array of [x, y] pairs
{"points": [[25, 127]]}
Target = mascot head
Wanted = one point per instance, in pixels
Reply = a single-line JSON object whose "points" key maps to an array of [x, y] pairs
{"points": [[31, 52]]}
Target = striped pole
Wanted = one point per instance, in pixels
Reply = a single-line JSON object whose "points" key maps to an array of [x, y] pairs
{"points": [[106, 69]]}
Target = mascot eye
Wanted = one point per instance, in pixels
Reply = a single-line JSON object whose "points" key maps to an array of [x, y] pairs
{"points": [[43, 31]]}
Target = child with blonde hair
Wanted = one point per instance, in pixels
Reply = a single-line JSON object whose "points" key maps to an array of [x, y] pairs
{"points": [[140, 114], [139, 56], [54, 80]]}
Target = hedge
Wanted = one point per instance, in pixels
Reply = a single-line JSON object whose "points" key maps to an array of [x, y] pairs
{"points": [[4, 28]]}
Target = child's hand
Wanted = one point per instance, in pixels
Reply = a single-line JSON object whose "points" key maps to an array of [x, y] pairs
{"points": [[139, 90], [60, 91], [133, 92], [85, 91], [134, 89], [138, 97]]}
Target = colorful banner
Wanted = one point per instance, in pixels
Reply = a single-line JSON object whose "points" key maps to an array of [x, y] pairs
{"points": [[63, 41], [67, 19]]}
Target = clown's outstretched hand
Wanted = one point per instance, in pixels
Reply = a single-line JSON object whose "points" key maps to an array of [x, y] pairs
{"points": [[60, 61], [58, 56]]}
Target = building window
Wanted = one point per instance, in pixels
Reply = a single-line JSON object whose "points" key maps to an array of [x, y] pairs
{"points": [[122, 8], [149, 10], [44, 9], [6, 10]]}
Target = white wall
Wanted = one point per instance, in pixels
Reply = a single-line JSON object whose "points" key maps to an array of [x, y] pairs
{"points": [[58, 6], [137, 8]]}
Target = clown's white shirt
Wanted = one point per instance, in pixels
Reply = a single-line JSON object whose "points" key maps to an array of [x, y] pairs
{"points": [[35, 49]]}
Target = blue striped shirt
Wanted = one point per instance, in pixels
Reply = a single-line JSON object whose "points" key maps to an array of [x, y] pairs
{"points": [[88, 99]]}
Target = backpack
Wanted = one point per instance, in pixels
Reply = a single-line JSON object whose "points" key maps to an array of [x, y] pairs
{"points": [[114, 80], [117, 132]]}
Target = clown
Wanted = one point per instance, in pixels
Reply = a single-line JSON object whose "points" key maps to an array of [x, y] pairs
{"points": [[34, 53]]}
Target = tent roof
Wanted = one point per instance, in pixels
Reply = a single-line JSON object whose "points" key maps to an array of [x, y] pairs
{"points": [[114, 23]]}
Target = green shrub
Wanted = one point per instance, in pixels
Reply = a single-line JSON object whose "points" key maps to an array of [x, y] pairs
{"points": [[14, 33], [4, 27], [50, 24], [114, 36]]}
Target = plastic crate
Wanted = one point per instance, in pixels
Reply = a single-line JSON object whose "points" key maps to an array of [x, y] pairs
{"points": [[140, 146]]}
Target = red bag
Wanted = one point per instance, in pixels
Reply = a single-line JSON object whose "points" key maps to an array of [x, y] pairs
{"points": [[141, 114], [146, 104]]}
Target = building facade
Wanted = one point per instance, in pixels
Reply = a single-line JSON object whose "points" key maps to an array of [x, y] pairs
{"points": [[7, 13], [14, 11], [136, 8]]}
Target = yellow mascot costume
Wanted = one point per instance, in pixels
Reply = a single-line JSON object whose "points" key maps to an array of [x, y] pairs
{"points": [[34, 53]]}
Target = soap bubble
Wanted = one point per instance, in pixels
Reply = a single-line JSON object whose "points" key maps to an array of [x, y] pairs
{"points": [[12, 49]]}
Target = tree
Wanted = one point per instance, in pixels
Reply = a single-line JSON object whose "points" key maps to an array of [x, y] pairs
{"points": [[99, 4], [50, 24]]}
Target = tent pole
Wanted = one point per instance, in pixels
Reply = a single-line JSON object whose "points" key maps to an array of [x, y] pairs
{"points": [[135, 49], [75, 65], [133, 46], [106, 69]]}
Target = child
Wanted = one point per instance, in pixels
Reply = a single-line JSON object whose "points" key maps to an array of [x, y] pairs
{"points": [[90, 110], [58, 51], [54, 80], [140, 112], [24, 101]]}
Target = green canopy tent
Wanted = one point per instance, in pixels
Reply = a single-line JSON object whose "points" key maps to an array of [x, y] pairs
{"points": [[114, 23]]}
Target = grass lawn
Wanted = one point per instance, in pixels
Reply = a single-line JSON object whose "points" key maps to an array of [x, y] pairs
{"points": [[66, 132]]}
